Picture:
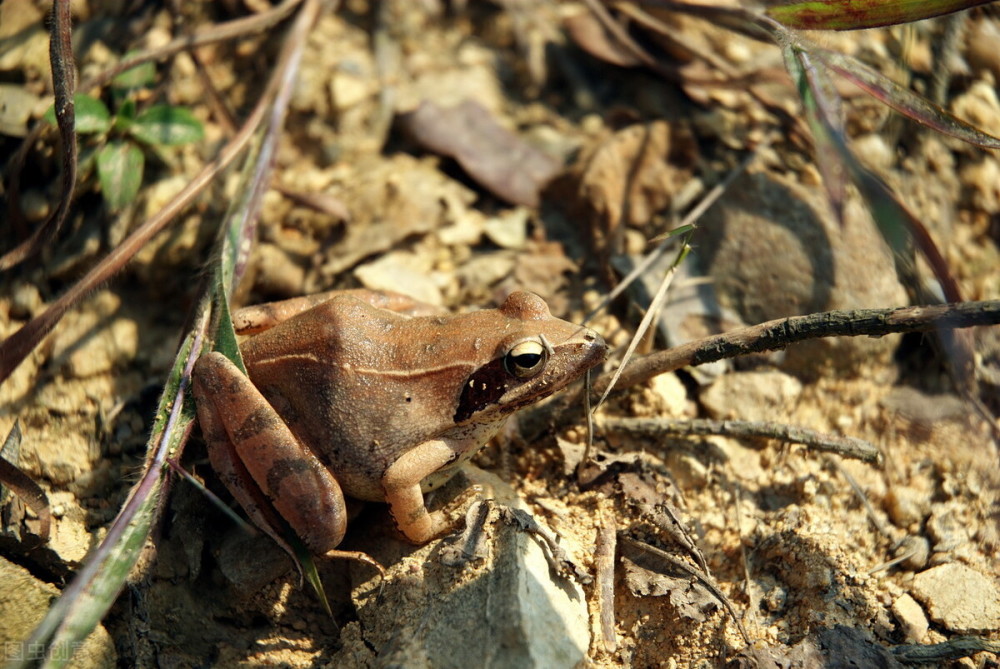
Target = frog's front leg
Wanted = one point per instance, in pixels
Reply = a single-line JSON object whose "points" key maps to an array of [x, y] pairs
{"points": [[260, 461], [401, 483]]}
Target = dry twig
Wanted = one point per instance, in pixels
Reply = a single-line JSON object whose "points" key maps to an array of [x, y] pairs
{"points": [[848, 447]]}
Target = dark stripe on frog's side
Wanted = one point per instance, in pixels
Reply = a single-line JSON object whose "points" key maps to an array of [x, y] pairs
{"points": [[255, 423], [280, 469], [486, 386]]}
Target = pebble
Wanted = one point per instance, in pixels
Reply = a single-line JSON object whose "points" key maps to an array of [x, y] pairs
{"points": [[916, 550], [907, 507], [503, 608], [959, 598], [751, 395], [774, 249], [948, 531], [912, 621]]}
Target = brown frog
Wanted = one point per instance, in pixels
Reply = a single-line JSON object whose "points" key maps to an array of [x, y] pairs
{"points": [[372, 396]]}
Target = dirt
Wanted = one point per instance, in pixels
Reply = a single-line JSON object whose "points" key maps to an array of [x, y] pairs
{"points": [[817, 554]]}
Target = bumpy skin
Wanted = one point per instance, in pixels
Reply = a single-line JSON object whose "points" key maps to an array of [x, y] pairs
{"points": [[346, 396]]}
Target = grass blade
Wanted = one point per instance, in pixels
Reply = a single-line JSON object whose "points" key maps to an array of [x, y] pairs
{"points": [[85, 601], [903, 100], [824, 116], [901, 229]]}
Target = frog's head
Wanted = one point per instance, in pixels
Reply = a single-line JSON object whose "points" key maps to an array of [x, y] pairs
{"points": [[536, 355]]}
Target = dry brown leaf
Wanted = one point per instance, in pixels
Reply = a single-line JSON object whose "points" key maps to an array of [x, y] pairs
{"points": [[493, 156], [591, 36], [691, 599], [623, 181]]}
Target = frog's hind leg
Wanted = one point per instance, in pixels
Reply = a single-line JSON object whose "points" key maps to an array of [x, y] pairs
{"points": [[277, 480]]}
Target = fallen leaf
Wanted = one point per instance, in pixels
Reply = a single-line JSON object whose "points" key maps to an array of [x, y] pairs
{"points": [[624, 180], [591, 36], [691, 599], [493, 156]]}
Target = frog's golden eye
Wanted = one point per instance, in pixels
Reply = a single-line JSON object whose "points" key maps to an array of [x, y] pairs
{"points": [[526, 359]]}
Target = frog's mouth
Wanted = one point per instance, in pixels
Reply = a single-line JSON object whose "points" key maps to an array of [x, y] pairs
{"points": [[493, 385]]}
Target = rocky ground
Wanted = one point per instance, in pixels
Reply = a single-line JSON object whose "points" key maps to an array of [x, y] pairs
{"points": [[823, 560]]}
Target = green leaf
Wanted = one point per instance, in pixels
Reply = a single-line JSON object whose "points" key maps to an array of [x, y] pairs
{"points": [[119, 169], [139, 76], [858, 14], [126, 113], [167, 126], [91, 114]]}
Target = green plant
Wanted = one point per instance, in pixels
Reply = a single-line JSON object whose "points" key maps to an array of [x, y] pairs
{"points": [[118, 141]]}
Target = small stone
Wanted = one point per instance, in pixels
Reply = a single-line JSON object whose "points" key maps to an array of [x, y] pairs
{"points": [[874, 151], [981, 45], [774, 249], [947, 528], [751, 395], [907, 507], [916, 550], [25, 301], [400, 272], [503, 608], [15, 112], [670, 393], [959, 598], [983, 181], [509, 230], [912, 621], [348, 89]]}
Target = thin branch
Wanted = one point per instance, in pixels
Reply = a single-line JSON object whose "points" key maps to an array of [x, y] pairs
{"points": [[604, 573], [938, 653], [24, 486], [63, 83], [848, 447], [779, 333]]}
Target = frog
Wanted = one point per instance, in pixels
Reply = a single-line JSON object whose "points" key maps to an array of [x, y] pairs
{"points": [[372, 396]]}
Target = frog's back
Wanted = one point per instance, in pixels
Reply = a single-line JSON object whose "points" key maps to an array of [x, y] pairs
{"points": [[340, 377]]}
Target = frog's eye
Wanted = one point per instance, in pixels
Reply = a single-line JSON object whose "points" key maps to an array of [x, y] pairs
{"points": [[526, 359]]}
